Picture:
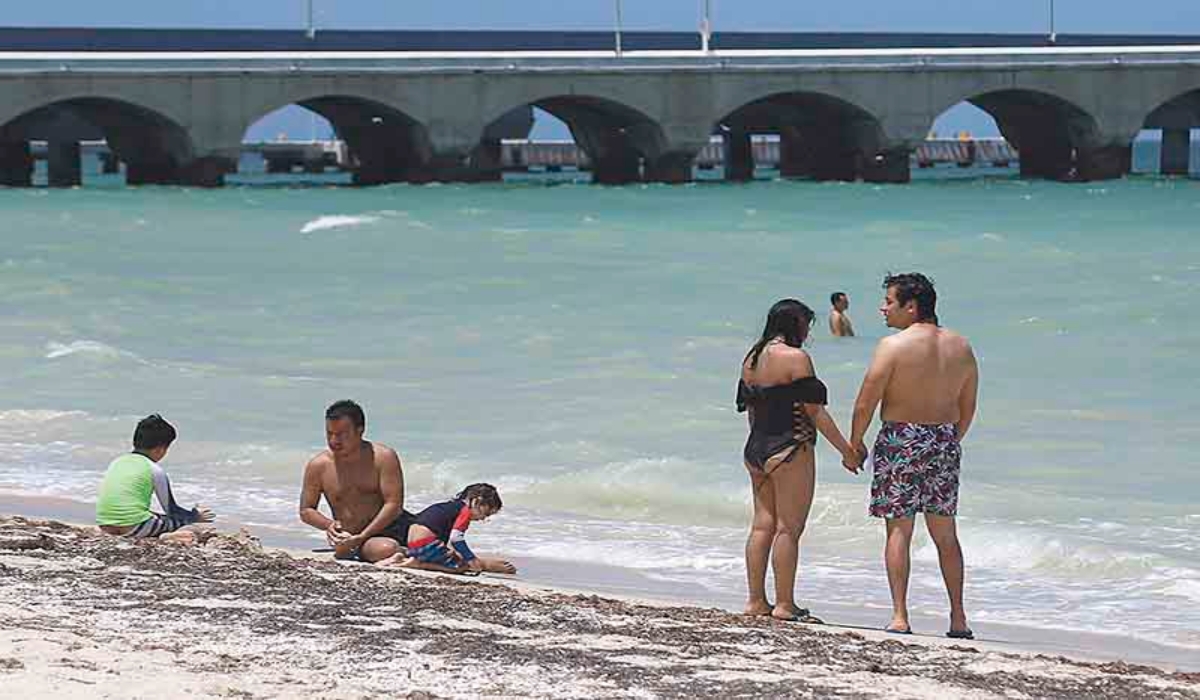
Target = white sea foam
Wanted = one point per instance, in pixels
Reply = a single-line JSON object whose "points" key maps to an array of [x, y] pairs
{"points": [[22, 417], [323, 223], [90, 348]]}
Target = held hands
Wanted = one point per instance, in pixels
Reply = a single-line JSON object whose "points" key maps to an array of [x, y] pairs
{"points": [[853, 460]]}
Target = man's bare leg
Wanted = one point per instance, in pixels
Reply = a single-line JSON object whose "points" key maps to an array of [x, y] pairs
{"points": [[944, 532], [896, 557], [758, 543], [380, 548]]}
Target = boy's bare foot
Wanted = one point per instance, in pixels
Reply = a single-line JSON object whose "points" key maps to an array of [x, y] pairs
{"points": [[757, 608], [181, 537]]}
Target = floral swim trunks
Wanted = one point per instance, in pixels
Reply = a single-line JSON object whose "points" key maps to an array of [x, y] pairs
{"points": [[916, 470]]}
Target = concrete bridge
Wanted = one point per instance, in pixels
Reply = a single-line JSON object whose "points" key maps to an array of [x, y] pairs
{"points": [[173, 116]]}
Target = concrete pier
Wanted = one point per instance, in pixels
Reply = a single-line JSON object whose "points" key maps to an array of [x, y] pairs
{"points": [[1176, 151], [887, 167], [63, 165], [109, 163], [646, 115], [1103, 163], [16, 164], [739, 156]]}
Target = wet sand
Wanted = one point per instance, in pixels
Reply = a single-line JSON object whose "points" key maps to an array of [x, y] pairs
{"points": [[538, 574], [87, 615]]}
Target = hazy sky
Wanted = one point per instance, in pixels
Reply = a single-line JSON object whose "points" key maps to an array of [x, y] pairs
{"points": [[1081, 16]]}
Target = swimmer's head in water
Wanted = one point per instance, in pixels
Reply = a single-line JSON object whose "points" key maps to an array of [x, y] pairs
{"points": [[839, 301], [344, 426], [153, 437], [908, 298], [483, 499]]}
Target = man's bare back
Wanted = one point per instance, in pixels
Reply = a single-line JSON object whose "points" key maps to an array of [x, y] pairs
{"points": [[928, 369], [926, 379]]}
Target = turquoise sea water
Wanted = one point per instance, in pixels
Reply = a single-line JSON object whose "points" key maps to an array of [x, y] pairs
{"points": [[579, 346]]}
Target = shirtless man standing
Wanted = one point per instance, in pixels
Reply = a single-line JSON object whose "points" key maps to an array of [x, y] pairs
{"points": [[839, 322], [364, 485], [927, 379]]}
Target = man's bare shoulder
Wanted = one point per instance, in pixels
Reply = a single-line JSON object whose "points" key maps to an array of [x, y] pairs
{"points": [[322, 458], [384, 455], [954, 340], [890, 343], [320, 462]]}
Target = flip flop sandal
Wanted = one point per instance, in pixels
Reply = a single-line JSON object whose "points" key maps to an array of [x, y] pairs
{"points": [[961, 634]]}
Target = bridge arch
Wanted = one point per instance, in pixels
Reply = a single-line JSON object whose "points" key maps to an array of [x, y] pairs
{"points": [[1056, 136], [821, 136], [1176, 117], [384, 143], [155, 148], [622, 143]]}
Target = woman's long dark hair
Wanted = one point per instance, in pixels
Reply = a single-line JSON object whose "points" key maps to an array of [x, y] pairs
{"points": [[788, 319]]}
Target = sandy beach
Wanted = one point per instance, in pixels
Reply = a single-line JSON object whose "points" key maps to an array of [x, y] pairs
{"points": [[86, 615]]}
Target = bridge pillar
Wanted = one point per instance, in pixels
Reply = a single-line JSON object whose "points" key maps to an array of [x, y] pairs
{"points": [[823, 160], [674, 168], [739, 156], [791, 153], [150, 172], [887, 166], [486, 161], [16, 164], [1103, 163], [1049, 159], [63, 164], [110, 164], [617, 168], [1176, 151], [206, 172]]}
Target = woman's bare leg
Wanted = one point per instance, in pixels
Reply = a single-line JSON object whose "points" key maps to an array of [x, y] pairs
{"points": [[794, 483], [758, 543]]}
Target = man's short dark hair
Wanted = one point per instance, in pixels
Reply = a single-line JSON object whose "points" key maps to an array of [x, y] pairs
{"points": [[151, 432], [913, 286], [836, 297], [347, 409]]}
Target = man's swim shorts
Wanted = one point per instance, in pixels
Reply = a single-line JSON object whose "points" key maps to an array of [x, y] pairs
{"points": [[916, 470]]}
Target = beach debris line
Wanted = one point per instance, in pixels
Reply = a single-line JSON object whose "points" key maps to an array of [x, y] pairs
{"points": [[224, 617]]}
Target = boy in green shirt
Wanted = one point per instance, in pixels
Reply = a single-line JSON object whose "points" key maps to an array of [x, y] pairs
{"points": [[123, 504]]}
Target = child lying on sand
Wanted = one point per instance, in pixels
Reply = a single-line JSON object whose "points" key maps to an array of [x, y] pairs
{"points": [[437, 535]]}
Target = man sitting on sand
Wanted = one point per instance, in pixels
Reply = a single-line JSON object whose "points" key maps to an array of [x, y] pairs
{"points": [[926, 378], [839, 322], [364, 485], [123, 504]]}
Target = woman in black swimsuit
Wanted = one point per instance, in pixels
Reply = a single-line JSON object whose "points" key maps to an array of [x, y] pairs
{"points": [[786, 406]]}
